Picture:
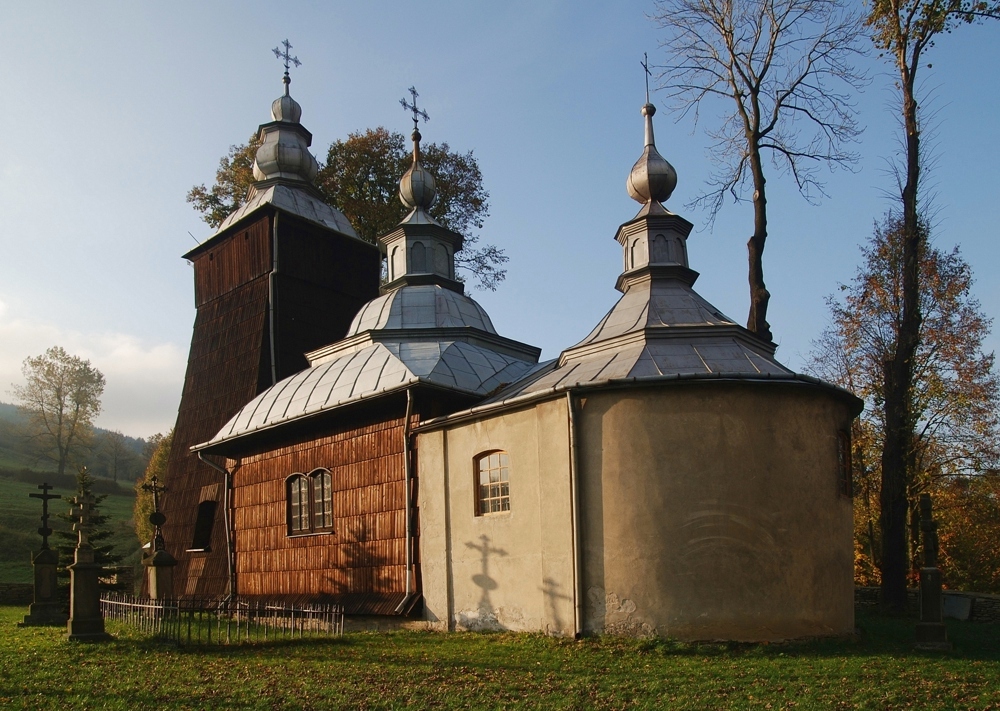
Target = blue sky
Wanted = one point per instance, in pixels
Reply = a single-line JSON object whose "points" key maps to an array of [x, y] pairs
{"points": [[114, 110]]}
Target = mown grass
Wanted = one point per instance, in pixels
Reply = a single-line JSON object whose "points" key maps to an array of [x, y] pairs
{"points": [[878, 670]]}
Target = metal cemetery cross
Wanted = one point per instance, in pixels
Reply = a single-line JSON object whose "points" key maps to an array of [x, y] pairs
{"points": [[45, 496], [286, 56], [82, 509], [417, 113], [645, 66], [156, 518]]}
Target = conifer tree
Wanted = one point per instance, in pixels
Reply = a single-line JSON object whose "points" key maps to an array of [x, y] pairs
{"points": [[100, 531]]}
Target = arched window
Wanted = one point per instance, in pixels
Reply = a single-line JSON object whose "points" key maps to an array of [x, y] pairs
{"points": [[310, 502], [418, 258], [492, 483], [322, 498]]}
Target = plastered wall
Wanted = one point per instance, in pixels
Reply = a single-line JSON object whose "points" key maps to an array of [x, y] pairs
{"points": [[510, 570]]}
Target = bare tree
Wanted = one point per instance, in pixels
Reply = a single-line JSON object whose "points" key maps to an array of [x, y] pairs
{"points": [[117, 453], [62, 396], [786, 66], [904, 30]]}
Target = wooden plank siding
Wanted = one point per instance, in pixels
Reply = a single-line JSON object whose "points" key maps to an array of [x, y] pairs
{"points": [[230, 358], [365, 556]]}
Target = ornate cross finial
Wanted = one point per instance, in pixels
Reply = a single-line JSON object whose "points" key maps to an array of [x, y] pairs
{"points": [[417, 113], [156, 518], [45, 496], [82, 509], [288, 59], [645, 67]]}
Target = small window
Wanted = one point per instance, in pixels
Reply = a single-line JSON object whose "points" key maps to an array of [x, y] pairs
{"points": [[310, 502], [845, 483], [493, 483], [203, 527]]}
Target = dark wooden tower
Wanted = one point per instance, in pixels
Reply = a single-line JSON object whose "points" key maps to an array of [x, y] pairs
{"points": [[283, 275]]}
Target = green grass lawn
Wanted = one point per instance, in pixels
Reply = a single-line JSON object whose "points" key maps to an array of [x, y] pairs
{"points": [[20, 517], [879, 670]]}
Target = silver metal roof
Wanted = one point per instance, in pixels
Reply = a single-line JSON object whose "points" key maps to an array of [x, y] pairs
{"points": [[379, 368], [425, 306], [295, 201]]}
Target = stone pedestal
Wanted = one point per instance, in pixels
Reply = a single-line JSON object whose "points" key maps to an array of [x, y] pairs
{"points": [[46, 608], [86, 623], [160, 575], [931, 632]]}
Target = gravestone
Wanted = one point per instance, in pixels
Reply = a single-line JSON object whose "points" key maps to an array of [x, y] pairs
{"points": [[46, 608], [931, 632], [159, 563], [86, 623]]}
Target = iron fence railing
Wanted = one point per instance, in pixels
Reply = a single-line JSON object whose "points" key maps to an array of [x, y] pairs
{"points": [[223, 622]]}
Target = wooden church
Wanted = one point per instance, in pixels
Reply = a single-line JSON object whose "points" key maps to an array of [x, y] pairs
{"points": [[384, 447]]}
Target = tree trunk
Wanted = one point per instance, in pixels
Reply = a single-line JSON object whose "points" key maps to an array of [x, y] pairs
{"points": [[897, 456], [759, 295]]}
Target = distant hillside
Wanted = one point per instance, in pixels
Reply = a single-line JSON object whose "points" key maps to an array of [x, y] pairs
{"points": [[16, 449]]}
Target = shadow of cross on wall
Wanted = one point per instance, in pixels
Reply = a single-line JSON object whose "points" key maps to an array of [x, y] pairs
{"points": [[483, 579], [552, 597]]}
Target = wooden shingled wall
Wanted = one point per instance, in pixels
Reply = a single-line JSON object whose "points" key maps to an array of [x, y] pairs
{"points": [[323, 280], [227, 366], [363, 561]]}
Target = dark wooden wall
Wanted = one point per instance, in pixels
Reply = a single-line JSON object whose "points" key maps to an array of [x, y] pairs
{"points": [[230, 363], [363, 562]]}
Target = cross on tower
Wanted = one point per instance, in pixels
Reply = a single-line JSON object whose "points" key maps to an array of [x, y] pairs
{"points": [[417, 113], [288, 59], [645, 67], [45, 496], [82, 509]]}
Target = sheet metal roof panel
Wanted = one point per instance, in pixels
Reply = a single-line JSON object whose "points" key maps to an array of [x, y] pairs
{"points": [[377, 368], [295, 201], [423, 306]]}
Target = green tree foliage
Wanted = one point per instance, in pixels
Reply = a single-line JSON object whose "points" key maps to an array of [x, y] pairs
{"points": [[361, 179], [62, 396], [904, 30], [955, 395], [778, 76], [157, 467], [100, 531]]}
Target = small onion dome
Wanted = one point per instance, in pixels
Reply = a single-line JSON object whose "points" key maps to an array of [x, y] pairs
{"points": [[416, 187], [286, 109], [652, 177]]}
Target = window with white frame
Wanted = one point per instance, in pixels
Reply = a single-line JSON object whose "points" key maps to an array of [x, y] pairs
{"points": [[492, 471]]}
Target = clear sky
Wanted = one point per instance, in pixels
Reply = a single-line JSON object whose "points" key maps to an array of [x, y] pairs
{"points": [[114, 110]]}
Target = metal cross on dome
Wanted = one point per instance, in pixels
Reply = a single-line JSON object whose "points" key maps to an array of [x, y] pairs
{"points": [[286, 56], [417, 113], [645, 66]]}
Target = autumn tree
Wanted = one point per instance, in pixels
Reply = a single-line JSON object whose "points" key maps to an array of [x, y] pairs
{"points": [[361, 179], [904, 30], [160, 445], [955, 394], [61, 395], [778, 73]]}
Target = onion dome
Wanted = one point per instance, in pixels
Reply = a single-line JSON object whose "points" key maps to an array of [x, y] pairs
{"points": [[416, 187], [652, 179], [284, 149]]}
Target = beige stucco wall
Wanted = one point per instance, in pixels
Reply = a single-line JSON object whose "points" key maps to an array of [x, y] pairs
{"points": [[510, 570], [711, 510]]}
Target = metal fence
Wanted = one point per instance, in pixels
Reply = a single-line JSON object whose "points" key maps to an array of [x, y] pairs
{"points": [[221, 622]]}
